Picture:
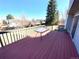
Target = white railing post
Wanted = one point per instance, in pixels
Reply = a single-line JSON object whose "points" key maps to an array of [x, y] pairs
{"points": [[8, 38]]}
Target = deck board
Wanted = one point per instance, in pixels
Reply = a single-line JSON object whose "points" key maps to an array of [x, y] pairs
{"points": [[55, 45]]}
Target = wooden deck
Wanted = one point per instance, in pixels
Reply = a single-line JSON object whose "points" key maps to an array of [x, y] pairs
{"points": [[55, 45]]}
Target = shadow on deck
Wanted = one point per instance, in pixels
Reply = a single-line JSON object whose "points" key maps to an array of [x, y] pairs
{"points": [[55, 45]]}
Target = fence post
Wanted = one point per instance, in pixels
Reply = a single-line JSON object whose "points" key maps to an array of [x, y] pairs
{"points": [[1, 42]]}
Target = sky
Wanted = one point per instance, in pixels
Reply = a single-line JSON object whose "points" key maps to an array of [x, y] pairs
{"points": [[62, 6], [32, 9]]}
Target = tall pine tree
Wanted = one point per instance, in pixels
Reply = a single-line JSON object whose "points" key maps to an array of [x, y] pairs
{"points": [[51, 13]]}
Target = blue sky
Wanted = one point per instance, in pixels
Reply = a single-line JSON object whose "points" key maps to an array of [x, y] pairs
{"points": [[62, 5], [30, 8]]}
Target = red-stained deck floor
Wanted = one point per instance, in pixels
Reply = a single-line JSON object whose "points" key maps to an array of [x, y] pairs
{"points": [[55, 45]]}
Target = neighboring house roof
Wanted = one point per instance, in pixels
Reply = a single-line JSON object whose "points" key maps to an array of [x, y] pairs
{"points": [[18, 23]]}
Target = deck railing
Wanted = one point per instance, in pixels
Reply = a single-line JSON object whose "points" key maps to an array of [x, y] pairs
{"points": [[13, 36]]}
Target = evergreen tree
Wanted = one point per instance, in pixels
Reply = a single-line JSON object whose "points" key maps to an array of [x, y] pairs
{"points": [[51, 12]]}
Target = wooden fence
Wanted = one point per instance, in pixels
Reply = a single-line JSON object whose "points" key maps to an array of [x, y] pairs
{"points": [[13, 36]]}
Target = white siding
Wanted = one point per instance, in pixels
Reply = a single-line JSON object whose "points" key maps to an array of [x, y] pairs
{"points": [[76, 38], [69, 23]]}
